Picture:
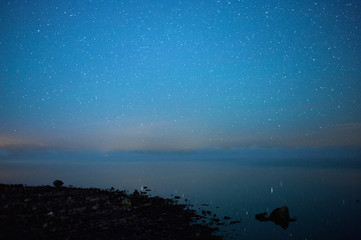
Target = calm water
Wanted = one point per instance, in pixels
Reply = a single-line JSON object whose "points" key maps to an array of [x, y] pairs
{"points": [[325, 199]]}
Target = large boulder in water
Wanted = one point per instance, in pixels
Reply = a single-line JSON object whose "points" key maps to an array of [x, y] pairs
{"points": [[280, 216]]}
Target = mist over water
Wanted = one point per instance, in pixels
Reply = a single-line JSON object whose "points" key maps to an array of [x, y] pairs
{"points": [[321, 193]]}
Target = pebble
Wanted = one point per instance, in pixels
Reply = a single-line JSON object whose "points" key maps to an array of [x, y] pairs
{"points": [[63, 213]]}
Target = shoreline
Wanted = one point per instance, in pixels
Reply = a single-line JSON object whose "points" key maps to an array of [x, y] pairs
{"points": [[46, 212]]}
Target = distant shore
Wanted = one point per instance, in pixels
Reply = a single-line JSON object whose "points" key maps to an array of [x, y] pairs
{"points": [[46, 212]]}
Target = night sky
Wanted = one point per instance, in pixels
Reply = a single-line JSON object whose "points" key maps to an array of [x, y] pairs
{"points": [[180, 75]]}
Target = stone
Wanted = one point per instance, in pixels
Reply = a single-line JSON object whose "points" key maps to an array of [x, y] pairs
{"points": [[279, 216], [58, 183]]}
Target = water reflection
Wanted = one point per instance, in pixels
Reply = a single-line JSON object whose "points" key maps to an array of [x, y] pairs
{"points": [[227, 188]]}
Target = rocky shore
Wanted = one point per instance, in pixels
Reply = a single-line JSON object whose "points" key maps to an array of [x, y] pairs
{"points": [[47, 212]]}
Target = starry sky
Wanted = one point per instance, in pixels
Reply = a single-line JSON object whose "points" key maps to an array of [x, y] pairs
{"points": [[179, 75]]}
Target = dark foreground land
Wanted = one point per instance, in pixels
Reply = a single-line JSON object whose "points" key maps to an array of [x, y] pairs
{"points": [[47, 212]]}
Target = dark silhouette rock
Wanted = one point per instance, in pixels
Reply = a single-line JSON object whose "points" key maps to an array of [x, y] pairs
{"points": [[46, 212], [58, 183], [279, 216], [263, 217], [136, 192], [235, 222]]}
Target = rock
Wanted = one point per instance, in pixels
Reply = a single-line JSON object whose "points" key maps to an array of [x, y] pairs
{"points": [[234, 222], [136, 192], [279, 216], [147, 205], [58, 183], [81, 209], [262, 217], [126, 202], [78, 213]]}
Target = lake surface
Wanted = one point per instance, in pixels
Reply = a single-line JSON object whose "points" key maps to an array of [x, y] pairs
{"points": [[326, 200]]}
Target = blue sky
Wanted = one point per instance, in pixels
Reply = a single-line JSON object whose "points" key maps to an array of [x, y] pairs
{"points": [[179, 75]]}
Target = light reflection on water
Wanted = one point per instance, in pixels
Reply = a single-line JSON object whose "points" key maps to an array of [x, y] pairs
{"points": [[323, 199]]}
